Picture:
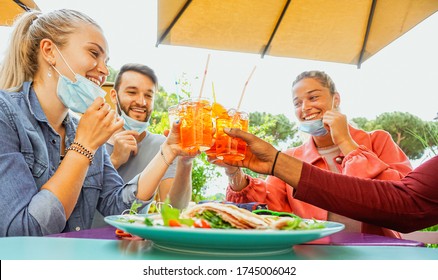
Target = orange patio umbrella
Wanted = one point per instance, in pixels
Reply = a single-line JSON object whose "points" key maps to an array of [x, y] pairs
{"points": [[10, 9], [342, 31]]}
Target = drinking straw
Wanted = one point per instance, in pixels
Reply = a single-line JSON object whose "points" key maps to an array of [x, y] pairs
{"points": [[214, 93], [177, 90], [235, 118], [244, 88], [205, 74]]}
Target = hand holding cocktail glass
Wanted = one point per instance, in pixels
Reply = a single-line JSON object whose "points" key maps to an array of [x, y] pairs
{"points": [[197, 117], [227, 147]]}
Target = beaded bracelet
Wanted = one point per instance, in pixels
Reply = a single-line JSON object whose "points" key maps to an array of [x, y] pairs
{"points": [[164, 158], [85, 153], [82, 147]]}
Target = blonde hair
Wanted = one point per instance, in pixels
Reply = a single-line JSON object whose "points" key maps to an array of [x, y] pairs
{"points": [[21, 60]]}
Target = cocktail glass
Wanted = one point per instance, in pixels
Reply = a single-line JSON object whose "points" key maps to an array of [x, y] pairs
{"points": [[218, 110], [227, 147], [196, 124], [173, 114]]}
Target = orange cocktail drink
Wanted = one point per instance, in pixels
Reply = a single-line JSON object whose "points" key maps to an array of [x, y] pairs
{"points": [[196, 124], [172, 112], [227, 147], [217, 111]]}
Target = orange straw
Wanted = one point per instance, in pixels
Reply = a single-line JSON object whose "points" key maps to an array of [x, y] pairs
{"points": [[244, 88], [205, 75]]}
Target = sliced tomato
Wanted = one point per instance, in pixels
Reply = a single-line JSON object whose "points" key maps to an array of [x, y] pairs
{"points": [[174, 223], [121, 233], [201, 223]]}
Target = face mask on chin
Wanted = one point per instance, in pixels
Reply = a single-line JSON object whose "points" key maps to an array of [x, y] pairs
{"points": [[79, 95], [313, 127], [130, 123]]}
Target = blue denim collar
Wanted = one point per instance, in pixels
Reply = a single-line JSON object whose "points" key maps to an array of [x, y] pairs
{"points": [[33, 103], [37, 112]]}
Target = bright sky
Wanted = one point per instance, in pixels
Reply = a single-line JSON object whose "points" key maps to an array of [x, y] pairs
{"points": [[401, 77]]}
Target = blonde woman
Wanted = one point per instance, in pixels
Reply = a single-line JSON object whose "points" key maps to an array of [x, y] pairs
{"points": [[55, 173]]}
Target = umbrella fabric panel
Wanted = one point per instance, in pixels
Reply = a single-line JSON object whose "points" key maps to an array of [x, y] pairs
{"points": [[330, 30], [243, 25], [10, 10], [393, 18]]}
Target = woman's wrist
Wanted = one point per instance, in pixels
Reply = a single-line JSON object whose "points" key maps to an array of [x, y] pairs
{"points": [[232, 172], [236, 179], [167, 153], [185, 160], [347, 147]]}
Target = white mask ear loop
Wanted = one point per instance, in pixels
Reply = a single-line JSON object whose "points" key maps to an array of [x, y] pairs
{"points": [[119, 108], [65, 61], [55, 69]]}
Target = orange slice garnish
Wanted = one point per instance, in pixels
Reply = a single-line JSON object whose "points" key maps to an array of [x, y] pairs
{"points": [[218, 110]]}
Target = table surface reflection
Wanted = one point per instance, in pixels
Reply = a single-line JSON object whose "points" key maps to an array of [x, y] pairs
{"points": [[340, 238], [49, 248], [103, 244]]}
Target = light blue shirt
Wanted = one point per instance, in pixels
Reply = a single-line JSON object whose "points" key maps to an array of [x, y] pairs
{"points": [[30, 155]]}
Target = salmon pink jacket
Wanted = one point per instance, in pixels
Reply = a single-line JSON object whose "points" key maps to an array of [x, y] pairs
{"points": [[377, 156]]}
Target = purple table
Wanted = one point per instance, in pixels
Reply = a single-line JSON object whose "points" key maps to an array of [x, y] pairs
{"points": [[339, 238]]}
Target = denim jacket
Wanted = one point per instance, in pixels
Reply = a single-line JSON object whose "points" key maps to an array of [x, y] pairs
{"points": [[29, 157]]}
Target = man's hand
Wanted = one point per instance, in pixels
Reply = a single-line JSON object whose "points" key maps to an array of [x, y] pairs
{"points": [[260, 155], [125, 143]]}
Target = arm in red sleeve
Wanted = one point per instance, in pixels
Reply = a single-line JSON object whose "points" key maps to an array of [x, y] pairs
{"points": [[255, 191], [405, 206]]}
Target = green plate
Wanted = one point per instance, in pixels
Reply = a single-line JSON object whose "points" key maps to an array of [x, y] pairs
{"points": [[232, 242]]}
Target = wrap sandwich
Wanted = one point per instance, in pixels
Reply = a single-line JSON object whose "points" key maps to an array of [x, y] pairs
{"points": [[224, 216]]}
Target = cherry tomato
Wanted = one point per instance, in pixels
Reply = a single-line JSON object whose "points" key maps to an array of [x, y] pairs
{"points": [[174, 223], [201, 223]]}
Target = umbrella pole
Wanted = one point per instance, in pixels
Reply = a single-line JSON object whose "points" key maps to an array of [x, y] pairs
{"points": [[367, 33], [166, 32], [265, 50]]}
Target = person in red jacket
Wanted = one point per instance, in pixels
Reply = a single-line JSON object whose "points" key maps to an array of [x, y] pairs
{"points": [[404, 205], [333, 145]]}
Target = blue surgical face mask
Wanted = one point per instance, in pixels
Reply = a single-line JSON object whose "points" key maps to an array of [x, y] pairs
{"points": [[313, 127], [130, 123], [79, 95]]}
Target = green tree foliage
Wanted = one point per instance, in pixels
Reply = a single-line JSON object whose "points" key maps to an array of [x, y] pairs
{"points": [[363, 123], [402, 126], [164, 100], [427, 135], [202, 173], [272, 128], [112, 75]]}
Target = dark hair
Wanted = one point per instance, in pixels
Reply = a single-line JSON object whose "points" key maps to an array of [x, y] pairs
{"points": [[136, 67], [321, 76]]}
